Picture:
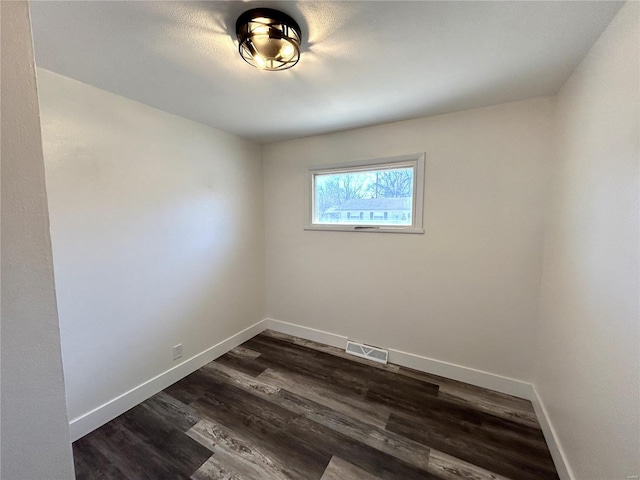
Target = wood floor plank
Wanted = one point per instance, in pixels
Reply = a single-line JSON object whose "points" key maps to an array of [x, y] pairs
{"points": [[454, 418], [324, 395], [130, 454], [91, 464], [375, 437], [304, 363], [451, 468], [339, 469], [377, 383], [236, 454], [496, 403], [348, 374], [172, 411], [333, 443], [213, 470], [366, 433], [471, 445], [497, 408], [240, 379], [160, 434], [244, 363], [245, 352], [266, 424], [189, 388]]}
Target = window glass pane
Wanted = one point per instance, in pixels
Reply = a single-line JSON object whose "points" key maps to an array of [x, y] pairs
{"points": [[386, 194]]}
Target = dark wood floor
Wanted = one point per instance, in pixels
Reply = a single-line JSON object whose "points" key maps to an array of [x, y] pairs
{"points": [[283, 408]]}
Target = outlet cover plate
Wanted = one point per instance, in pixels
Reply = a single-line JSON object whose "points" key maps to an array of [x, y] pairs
{"points": [[177, 351]]}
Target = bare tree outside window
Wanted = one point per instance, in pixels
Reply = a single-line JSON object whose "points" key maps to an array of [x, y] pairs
{"points": [[394, 183]]}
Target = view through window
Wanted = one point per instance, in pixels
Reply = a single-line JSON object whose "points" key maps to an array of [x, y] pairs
{"points": [[374, 196]]}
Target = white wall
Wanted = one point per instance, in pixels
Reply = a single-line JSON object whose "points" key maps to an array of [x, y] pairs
{"points": [[157, 234], [588, 364], [466, 291], [34, 437]]}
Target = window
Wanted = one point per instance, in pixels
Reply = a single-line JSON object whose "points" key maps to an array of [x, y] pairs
{"points": [[389, 189]]}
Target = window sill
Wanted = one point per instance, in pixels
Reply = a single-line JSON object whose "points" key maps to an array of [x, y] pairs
{"points": [[365, 229]]}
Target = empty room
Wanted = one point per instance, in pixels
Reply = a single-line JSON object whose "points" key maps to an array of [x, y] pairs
{"points": [[300, 240]]}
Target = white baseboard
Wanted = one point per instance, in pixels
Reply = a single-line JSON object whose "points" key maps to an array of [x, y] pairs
{"points": [[479, 378], [320, 336], [510, 386], [88, 422], [557, 453]]}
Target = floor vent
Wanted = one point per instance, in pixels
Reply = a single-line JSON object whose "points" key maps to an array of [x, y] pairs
{"points": [[366, 351]]}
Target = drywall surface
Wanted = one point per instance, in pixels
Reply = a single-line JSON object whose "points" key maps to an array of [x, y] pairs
{"points": [[157, 232], [588, 364], [34, 429], [465, 292]]}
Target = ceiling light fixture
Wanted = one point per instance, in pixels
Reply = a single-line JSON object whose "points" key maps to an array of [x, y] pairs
{"points": [[269, 39]]}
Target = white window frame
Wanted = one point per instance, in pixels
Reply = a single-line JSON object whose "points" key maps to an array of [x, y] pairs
{"points": [[416, 161]]}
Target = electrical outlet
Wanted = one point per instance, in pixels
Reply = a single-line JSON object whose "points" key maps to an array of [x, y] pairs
{"points": [[177, 351]]}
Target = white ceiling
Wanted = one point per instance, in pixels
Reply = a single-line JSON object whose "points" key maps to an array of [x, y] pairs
{"points": [[363, 63]]}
